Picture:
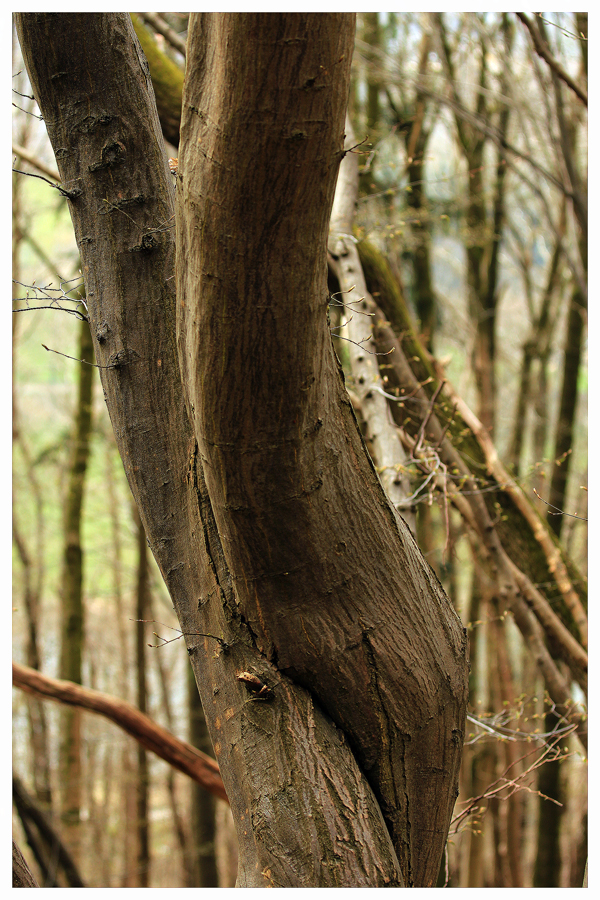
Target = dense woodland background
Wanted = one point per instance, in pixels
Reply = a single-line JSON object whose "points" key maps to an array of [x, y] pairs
{"points": [[473, 155]]}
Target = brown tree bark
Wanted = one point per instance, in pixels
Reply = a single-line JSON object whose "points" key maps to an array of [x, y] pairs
{"points": [[22, 875], [283, 459], [271, 529]]}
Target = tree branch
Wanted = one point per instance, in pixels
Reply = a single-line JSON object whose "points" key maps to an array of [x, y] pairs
{"points": [[157, 23], [179, 754], [554, 64], [34, 161]]}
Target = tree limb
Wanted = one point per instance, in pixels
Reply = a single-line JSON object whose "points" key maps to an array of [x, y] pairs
{"points": [[155, 21], [34, 161], [150, 734], [554, 64]]}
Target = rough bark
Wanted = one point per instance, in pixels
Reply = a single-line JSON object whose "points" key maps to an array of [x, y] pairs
{"points": [[289, 552], [22, 875], [325, 573]]}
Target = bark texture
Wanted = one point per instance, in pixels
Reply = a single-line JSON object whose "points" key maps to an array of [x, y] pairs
{"points": [[22, 876], [271, 529], [325, 573]]}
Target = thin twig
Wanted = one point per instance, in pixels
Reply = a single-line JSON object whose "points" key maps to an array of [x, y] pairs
{"points": [[24, 153], [559, 512], [71, 195], [181, 634], [95, 365], [543, 51]]}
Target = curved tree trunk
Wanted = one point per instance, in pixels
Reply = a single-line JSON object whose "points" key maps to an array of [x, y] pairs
{"points": [[281, 553]]}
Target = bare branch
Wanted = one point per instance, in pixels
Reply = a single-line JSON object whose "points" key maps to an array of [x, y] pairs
{"points": [[542, 50], [179, 754], [71, 195], [23, 153], [157, 23]]}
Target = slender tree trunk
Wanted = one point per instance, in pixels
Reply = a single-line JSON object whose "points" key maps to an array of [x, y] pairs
{"points": [[143, 780], [32, 561], [416, 140], [72, 608], [372, 37], [126, 780], [548, 857], [166, 691], [566, 425], [202, 849], [371, 34]]}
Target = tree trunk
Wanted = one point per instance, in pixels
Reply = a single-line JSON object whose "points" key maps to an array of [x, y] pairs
{"points": [[566, 425], [143, 780], [72, 609], [202, 860], [281, 553], [548, 857], [22, 876]]}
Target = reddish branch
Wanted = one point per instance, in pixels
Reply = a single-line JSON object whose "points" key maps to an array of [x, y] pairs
{"points": [[151, 735]]}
